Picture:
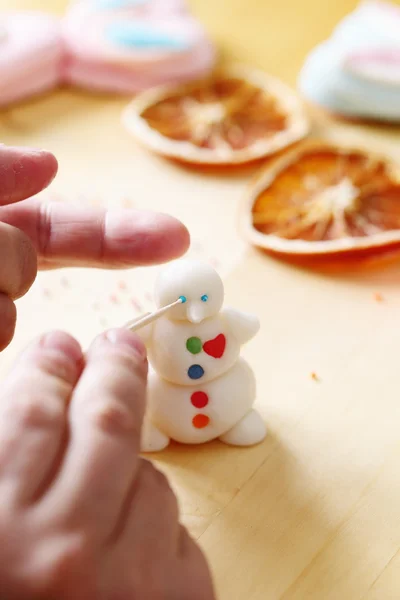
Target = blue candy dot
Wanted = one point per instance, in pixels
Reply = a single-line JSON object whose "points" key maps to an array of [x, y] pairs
{"points": [[204, 298], [196, 372], [130, 35], [183, 298]]}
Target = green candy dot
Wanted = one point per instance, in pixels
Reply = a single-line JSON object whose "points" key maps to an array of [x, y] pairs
{"points": [[194, 345]]}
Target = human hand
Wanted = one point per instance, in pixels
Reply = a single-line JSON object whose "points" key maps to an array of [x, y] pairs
{"points": [[41, 235], [82, 516]]}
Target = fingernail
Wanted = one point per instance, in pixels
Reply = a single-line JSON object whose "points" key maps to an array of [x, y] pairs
{"points": [[124, 338], [64, 343]]}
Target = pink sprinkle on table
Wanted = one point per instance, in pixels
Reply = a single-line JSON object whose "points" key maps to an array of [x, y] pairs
{"points": [[136, 304]]}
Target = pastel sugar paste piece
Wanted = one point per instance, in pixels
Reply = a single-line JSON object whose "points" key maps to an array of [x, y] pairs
{"points": [[148, 7], [129, 50], [200, 388], [142, 37], [119, 4], [31, 55], [376, 65], [356, 72]]}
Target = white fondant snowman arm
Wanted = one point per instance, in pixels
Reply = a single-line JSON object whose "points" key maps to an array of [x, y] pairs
{"points": [[243, 326]]}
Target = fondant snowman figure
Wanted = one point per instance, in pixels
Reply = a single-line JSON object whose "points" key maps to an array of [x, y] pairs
{"points": [[199, 387]]}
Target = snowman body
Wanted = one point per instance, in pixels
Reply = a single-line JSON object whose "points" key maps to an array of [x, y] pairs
{"points": [[199, 387], [186, 353]]}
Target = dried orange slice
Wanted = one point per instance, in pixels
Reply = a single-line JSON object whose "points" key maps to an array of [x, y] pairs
{"points": [[320, 199], [235, 116]]}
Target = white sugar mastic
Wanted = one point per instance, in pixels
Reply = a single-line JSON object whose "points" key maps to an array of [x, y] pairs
{"points": [[356, 72], [200, 388]]}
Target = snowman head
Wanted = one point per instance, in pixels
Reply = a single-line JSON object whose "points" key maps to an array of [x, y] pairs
{"points": [[197, 283]]}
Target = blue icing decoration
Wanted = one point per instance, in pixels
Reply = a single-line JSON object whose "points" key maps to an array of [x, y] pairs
{"points": [[116, 4], [141, 37], [196, 372]]}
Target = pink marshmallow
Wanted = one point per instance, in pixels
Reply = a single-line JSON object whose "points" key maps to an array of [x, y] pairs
{"points": [[31, 55], [134, 8], [114, 51]]}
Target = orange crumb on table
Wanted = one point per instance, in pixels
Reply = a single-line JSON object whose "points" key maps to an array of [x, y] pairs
{"points": [[378, 297]]}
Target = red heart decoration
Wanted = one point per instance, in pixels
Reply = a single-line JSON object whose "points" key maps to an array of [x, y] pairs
{"points": [[215, 347]]}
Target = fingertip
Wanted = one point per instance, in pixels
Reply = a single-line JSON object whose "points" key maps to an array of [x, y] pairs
{"points": [[145, 238], [8, 319], [125, 338], [180, 236], [63, 343], [25, 172], [54, 353], [171, 237], [122, 340], [40, 166], [50, 167]]}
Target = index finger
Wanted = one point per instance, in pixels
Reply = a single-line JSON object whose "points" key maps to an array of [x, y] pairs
{"points": [[24, 172]]}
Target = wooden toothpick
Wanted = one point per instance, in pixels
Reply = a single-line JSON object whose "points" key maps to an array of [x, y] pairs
{"points": [[151, 317]]}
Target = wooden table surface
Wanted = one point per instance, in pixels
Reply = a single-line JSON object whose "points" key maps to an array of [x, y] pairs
{"points": [[314, 512]]}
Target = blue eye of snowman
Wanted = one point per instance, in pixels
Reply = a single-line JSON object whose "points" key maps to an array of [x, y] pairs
{"points": [[183, 299], [204, 298]]}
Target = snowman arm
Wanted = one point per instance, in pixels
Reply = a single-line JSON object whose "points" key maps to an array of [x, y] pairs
{"points": [[243, 326]]}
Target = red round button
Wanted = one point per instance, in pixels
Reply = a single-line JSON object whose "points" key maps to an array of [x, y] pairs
{"points": [[199, 399]]}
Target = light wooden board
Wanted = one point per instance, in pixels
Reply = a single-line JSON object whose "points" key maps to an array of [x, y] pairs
{"points": [[314, 512]]}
